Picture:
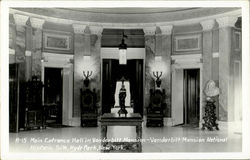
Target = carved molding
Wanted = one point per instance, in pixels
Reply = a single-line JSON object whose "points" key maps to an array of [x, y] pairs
{"points": [[149, 30], [96, 30], [166, 30], [59, 60], [226, 21], [187, 59], [207, 24], [79, 28], [127, 25], [37, 22], [20, 19]]}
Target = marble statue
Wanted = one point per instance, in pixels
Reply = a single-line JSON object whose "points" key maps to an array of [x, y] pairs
{"points": [[117, 92], [122, 96], [211, 90]]}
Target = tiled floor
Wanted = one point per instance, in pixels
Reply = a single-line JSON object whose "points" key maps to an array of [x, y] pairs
{"points": [[167, 139]]}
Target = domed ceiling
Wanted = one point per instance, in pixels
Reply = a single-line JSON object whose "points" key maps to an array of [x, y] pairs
{"points": [[125, 15], [128, 10]]}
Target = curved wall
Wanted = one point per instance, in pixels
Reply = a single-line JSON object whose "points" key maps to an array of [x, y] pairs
{"points": [[28, 26]]}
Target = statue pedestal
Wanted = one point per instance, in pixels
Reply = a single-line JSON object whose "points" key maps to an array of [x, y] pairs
{"points": [[210, 117], [122, 111]]}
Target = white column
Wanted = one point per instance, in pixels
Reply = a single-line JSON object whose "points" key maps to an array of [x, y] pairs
{"points": [[165, 40], [37, 23], [79, 28], [149, 31], [36, 52], [20, 21], [225, 78], [95, 50], [149, 59], [207, 58], [97, 30], [79, 51], [166, 30], [20, 48]]}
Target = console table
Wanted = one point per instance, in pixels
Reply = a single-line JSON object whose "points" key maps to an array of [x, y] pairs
{"points": [[113, 119]]}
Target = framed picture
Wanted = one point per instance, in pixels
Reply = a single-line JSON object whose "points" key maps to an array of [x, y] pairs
{"points": [[185, 43], [60, 42]]}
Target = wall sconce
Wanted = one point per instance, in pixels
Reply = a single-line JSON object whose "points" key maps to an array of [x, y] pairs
{"points": [[86, 72], [123, 51], [87, 75], [157, 72], [157, 75]]}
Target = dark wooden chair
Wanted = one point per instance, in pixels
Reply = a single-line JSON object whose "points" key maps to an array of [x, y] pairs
{"points": [[155, 108], [32, 104], [51, 112], [88, 108]]}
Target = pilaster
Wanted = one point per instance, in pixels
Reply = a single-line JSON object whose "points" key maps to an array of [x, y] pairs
{"points": [[97, 30], [165, 52], [12, 43], [37, 23], [79, 28], [225, 81], [225, 22], [28, 54], [12, 35], [166, 30], [36, 56], [20, 21], [95, 50], [150, 45], [149, 31], [207, 57], [207, 25], [79, 52]]}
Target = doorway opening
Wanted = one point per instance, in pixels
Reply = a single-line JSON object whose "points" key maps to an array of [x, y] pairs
{"points": [[14, 111], [191, 90], [53, 81], [113, 72]]}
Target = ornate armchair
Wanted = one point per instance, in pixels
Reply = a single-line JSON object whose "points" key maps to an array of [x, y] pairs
{"points": [[155, 108], [88, 108]]}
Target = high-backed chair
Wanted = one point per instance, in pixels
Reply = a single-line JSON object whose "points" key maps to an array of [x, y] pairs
{"points": [[155, 108], [31, 103], [88, 108]]}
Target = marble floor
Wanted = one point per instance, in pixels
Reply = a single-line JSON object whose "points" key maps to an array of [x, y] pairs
{"points": [[165, 139]]}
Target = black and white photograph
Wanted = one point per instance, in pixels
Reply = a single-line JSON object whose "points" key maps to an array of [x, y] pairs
{"points": [[124, 80]]}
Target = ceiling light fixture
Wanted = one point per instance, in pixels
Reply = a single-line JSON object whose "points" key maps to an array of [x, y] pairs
{"points": [[123, 50]]}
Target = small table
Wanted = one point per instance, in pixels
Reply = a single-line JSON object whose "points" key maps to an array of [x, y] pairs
{"points": [[113, 119]]}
